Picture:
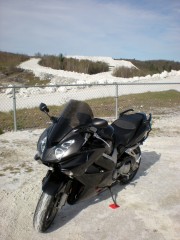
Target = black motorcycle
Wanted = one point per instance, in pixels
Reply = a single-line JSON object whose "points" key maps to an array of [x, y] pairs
{"points": [[85, 155]]}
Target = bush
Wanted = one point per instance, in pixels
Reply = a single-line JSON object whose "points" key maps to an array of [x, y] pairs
{"points": [[154, 66], [51, 61], [97, 67], [126, 72], [74, 65]]}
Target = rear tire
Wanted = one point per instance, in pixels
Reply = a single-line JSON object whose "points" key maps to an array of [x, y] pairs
{"points": [[126, 180], [46, 211], [132, 172]]}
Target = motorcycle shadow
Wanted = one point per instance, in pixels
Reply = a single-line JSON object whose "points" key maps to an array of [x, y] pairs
{"points": [[68, 212]]}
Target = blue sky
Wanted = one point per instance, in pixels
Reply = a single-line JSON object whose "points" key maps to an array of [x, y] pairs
{"points": [[140, 29]]}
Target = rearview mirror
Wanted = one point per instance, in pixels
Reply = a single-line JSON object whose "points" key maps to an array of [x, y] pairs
{"points": [[43, 107]]}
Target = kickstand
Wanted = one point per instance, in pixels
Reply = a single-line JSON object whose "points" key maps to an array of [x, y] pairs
{"points": [[114, 205]]}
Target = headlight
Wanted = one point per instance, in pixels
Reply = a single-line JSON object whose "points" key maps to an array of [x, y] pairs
{"points": [[60, 150], [43, 144]]}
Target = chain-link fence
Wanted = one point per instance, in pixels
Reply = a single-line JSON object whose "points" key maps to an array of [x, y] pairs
{"points": [[19, 105]]}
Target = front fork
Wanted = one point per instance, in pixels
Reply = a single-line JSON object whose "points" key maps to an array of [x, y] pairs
{"points": [[56, 182], [63, 194]]}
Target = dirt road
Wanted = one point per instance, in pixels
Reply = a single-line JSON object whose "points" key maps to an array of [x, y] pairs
{"points": [[149, 206]]}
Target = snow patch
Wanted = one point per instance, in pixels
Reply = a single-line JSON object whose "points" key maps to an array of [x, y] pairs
{"points": [[60, 77]]}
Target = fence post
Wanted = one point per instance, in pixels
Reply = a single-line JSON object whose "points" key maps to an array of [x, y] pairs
{"points": [[14, 109], [116, 97]]}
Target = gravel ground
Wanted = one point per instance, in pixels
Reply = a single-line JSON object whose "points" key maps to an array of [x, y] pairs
{"points": [[149, 206]]}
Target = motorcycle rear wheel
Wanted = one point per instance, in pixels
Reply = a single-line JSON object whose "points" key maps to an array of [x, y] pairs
{"points": [[46, 211], [127, 179]]}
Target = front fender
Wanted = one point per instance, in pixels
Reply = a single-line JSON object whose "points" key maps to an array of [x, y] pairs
{"points": [[53, 183]]}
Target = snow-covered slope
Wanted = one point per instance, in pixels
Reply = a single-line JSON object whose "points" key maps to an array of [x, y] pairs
{"points": [[108, 60], [66, 77]]}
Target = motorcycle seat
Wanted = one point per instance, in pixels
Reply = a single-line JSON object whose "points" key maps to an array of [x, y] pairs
{"points": [[126, 126]]}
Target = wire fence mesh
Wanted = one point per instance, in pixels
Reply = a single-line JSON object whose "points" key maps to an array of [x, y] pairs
{"points": [[19, 105]]}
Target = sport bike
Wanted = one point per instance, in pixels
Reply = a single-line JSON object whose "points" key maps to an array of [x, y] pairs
{"points": [[85, 156]]}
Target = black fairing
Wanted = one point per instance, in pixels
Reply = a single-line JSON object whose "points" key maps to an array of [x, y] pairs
{"points": [[49, 153], [53, 182], [92, 172], [80, 163]]}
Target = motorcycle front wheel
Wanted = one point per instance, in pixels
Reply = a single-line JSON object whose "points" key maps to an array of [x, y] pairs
{"points": [[46, 211]]}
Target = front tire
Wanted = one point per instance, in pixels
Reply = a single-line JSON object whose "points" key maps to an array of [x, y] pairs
{"points": [[46, 211]]}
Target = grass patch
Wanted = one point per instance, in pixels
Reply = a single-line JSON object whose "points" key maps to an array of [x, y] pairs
{"points": [[155, 102], [11, 169], [150, 102], [16, 170], [10, 74], [29, 169], [22, 78], [9, 61], [1, 131], [6, 120], [27, 118]]}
